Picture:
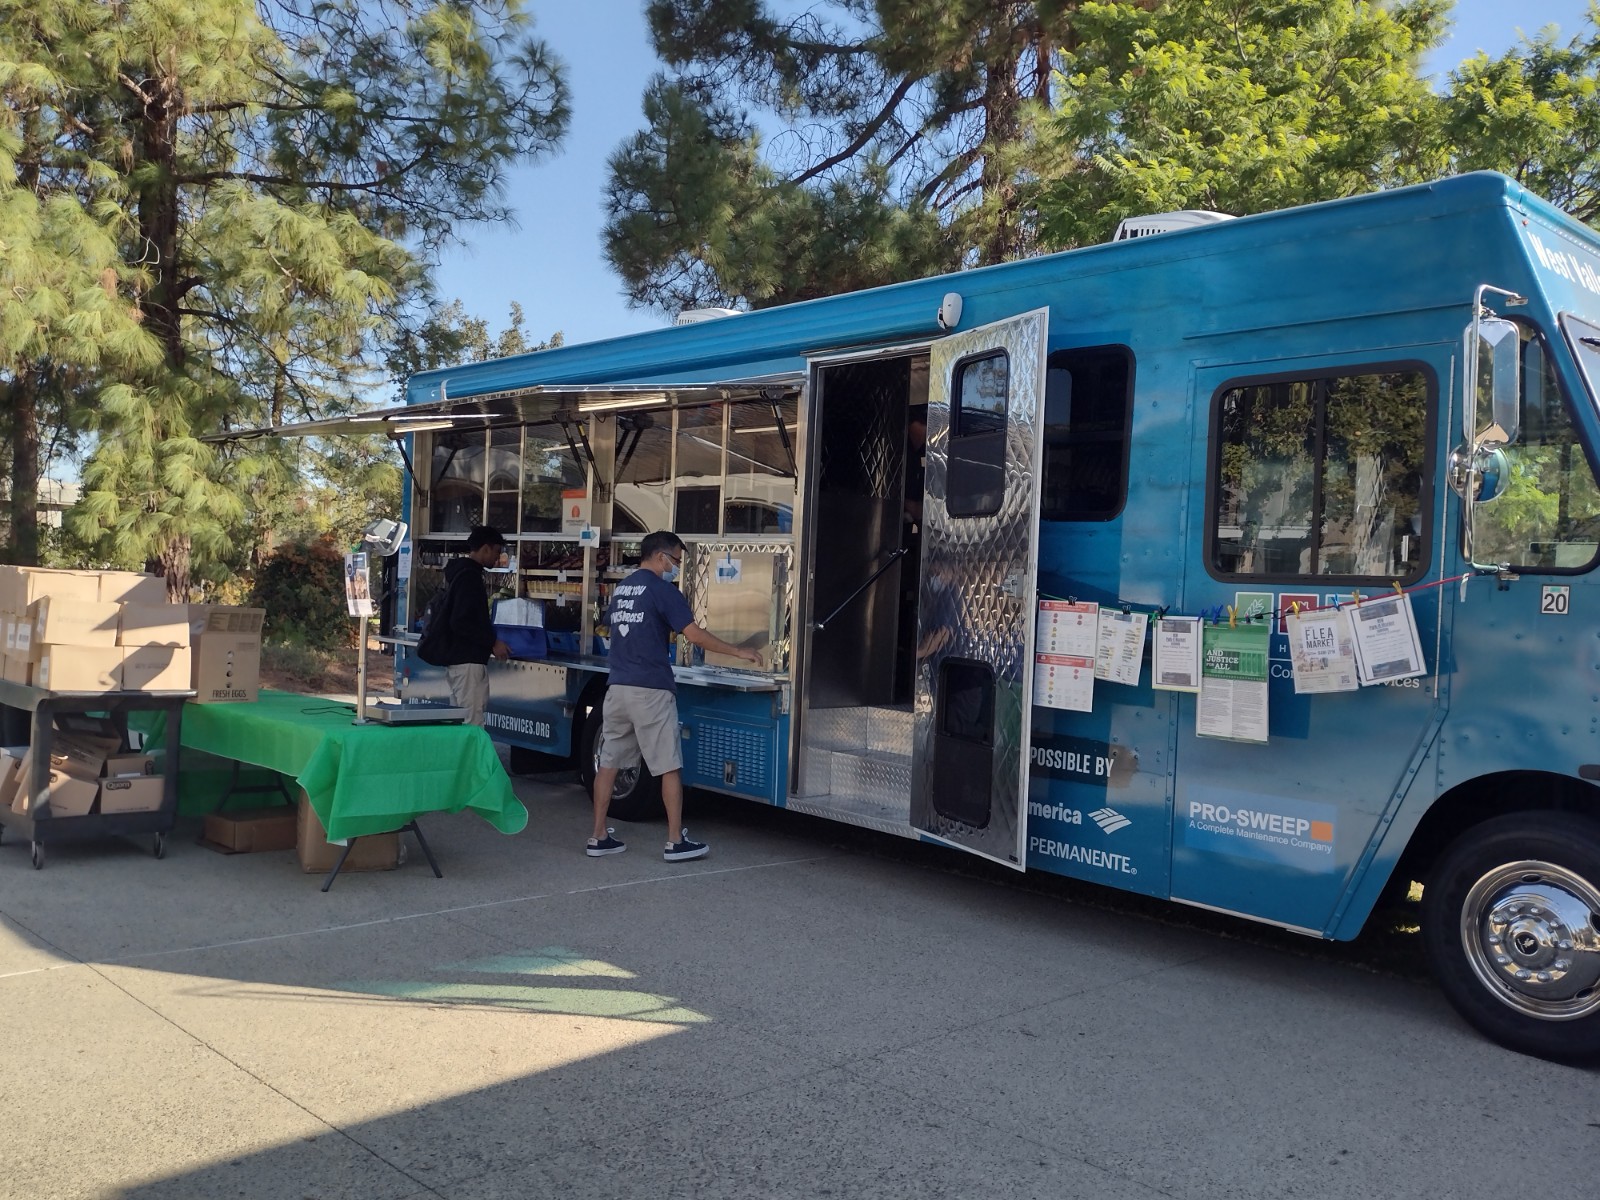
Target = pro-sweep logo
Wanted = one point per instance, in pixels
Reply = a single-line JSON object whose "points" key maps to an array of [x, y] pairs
{"points": [[1294, 832]]}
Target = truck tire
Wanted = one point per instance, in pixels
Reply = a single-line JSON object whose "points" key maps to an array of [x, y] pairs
{"points": [[637, 794], [1511, 925]]}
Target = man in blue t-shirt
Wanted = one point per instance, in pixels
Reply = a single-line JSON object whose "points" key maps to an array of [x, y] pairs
{"points": [[641, 709]]}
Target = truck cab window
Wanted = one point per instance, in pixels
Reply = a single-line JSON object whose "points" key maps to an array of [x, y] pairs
{"points": [[1547, 513], [1322, 476], [1088, 400]]}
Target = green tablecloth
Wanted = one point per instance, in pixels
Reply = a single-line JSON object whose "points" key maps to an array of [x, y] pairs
{"points": [[360, 779]]}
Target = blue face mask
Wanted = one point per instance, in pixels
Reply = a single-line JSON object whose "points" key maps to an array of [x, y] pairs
{"points": [[670, 575]]}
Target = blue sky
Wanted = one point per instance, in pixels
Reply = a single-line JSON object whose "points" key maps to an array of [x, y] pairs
{"points": [[551, 261]]}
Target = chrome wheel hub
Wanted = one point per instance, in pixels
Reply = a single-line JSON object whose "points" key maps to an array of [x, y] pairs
{"points": [[1531, 931]]}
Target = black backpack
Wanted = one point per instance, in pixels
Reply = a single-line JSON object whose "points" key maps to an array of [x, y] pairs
{"points": [[431, 625]]}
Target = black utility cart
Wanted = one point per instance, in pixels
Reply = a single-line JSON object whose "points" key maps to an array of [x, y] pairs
{"points": [[38, 709]]}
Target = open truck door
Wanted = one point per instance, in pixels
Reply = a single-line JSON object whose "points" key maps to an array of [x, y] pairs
{"points": [[975, 617]]}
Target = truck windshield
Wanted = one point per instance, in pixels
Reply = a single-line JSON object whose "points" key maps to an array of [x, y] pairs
{"points": [[1585, 340], [1546, 516]]}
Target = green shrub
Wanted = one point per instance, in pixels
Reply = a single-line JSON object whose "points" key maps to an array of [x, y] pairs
{"points": [[299, 662], [301, 585]]}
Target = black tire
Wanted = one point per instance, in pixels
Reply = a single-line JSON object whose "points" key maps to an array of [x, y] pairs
{"points": [[637, 794], [536, 762], [37, 855], [160, 848], [1510, 918]]}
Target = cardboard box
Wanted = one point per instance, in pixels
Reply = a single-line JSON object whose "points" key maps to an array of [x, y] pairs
{"points": [[79, 669], [18, 670], [19, 800], [8, 630], [153, 625], [21, 587], [225, 652], [83, 755], [143, 794], [75, 763], [10, 775], [22, 635], [379, 852], [130, 766], [156, 669], [254, 830], [130, 587], [69, 795], [59, 621]]}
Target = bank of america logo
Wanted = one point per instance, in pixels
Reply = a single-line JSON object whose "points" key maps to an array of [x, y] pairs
{"points": [[1109, 819]]}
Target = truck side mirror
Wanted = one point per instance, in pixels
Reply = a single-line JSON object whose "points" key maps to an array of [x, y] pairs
{"points": [[1494, 382]]}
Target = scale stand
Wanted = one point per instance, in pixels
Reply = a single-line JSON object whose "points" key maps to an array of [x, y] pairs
{"points": [[361, 673]]}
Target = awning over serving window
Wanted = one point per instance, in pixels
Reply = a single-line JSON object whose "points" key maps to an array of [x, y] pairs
{"points": [[527, 406]]}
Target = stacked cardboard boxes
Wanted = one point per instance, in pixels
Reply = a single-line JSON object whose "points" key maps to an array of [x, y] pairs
{"points": [[88, 772], [155, 647], [100, 631]]}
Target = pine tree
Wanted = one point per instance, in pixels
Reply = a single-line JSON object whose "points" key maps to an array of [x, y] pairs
{"points": [[896, 149], [63, 323], [284, 174]]}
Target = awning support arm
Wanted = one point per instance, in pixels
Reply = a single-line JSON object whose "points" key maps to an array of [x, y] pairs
{"points": [[405, 457], [783, 436], [583, 436]]}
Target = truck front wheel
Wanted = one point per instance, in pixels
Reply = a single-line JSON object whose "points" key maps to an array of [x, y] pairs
{"points": [[637, 794], [1511, 924]]}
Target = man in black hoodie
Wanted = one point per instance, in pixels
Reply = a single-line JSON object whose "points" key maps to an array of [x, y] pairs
{"points": [[460, 635]]}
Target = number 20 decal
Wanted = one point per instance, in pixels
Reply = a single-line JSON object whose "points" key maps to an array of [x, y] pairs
{"points": [[1554, 600]]}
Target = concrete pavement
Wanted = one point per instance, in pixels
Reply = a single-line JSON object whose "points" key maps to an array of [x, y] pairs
{"points": [[792, 1016]]}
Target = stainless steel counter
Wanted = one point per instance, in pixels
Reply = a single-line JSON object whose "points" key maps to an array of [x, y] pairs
{"points": [[731, 678]]}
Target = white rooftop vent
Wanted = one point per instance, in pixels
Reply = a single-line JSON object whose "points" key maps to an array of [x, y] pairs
{"points": [[693, 316], [1193, 218]]}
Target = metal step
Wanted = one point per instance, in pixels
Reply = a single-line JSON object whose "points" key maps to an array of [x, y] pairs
{"points": [[874, 730]]}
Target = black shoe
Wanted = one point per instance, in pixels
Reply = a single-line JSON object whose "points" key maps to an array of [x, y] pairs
{"points": [[684, 849], [606, 845]]}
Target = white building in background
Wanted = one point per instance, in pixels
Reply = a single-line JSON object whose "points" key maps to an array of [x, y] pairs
{"points": [[55, 497]]}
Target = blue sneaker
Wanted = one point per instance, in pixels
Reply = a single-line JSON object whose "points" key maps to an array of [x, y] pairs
{"points": [[605, 845], [684, 849]]}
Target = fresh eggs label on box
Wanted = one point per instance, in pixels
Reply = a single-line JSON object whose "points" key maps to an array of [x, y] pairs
{"points": [[1297, 833]]}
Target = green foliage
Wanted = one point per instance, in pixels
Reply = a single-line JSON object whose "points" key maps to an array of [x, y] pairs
{"points": [[1237, 106], [310, 668], [447, 337], [1533, 114], [268, 185], [898, 148], [301, 585]]}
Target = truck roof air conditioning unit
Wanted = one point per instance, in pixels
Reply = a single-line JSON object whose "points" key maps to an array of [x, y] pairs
{"points": [[693, 316], [1134, 227]]}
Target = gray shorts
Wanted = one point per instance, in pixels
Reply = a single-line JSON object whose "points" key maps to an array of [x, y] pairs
{"points": [[641, 721]]}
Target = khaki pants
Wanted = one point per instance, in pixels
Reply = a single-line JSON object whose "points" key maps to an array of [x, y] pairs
{"points": [[469, 689]]}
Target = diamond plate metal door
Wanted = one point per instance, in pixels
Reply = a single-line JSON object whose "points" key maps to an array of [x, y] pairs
{"points": [[975, 618]]}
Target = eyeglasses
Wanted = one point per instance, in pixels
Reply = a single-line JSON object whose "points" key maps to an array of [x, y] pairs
{"points": [[677, 562]]}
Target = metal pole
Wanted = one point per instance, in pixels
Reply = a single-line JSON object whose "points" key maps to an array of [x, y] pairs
{"points": [[361, 673]]}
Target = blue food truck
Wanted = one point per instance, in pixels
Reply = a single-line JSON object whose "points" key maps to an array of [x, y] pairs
{"points": [[1231, 420]]}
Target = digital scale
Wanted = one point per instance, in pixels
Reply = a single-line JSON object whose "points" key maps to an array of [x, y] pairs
{"points": [[415, 712]]}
